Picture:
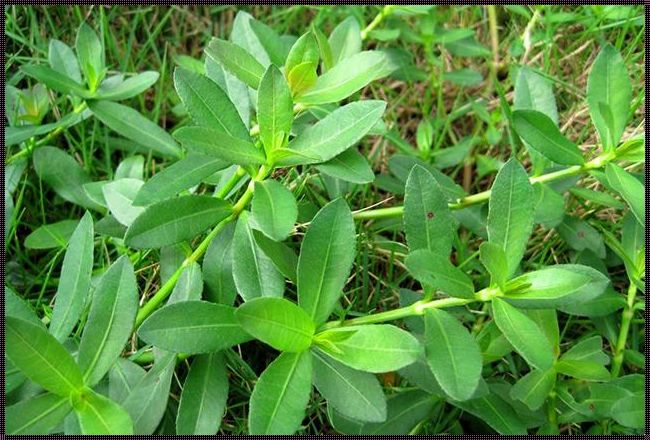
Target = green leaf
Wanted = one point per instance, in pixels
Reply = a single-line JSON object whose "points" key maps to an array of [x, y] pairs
{"points": [[128, 88], [274, 209], [148, 399], [609, 85], [220, 145], [132, 125], [427, 221], [464, 77], [589, 349], [204, 396], [119, 196], [345, 40], [302, 78], [583, 370], [64, 175], [272, 43], [123, 376], [217, 268], [372, 348], [579, 235], [541, 134], [74, 284], [284, 258], [254, 273], [555, 286], [175, 220], [208, 105], [350, 166], [438, 272], [630, 411], [335, 133], [629, 188], [524, 335], [348, 76], [496, 412], [405, 410], [41, 357], [36, 415], [237, 61], [452, 354], [495, 261], [17, 307], [110, 320], [132, 168], [51, 236], [193, 327], [355, 394], [62, 59], [91, 55], [277, 322], [189, 285], [533, 388], [326, 255], [324, 49], [510, 216], [100, 415], [55, 80], [274, 109], [281, 394], [303, 51], [467, 47], [178, 177]]}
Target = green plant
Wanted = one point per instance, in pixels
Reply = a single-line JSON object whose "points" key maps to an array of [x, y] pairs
{"points": [[512, 368]]}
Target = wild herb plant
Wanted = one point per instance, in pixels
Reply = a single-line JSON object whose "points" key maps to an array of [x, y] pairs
{"points": [[265, 115]]}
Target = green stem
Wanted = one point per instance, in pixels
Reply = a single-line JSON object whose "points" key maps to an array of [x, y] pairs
{"points": [[626, 320], [475, 199], [414, 309], [149, 306], [51, 135], [385, 12]]}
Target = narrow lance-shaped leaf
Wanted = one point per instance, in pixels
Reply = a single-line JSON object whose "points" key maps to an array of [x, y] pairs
{"points": [[128, 88], [132, 125], [452, 354], [609, 94], [204, 396], [348, 76], [353, 393], [283, 256], [345, 39], [496, 412], [274, 209], [254, 273], [539, 131], [208, 105], [220, 145], [62, 59], [110, 321], [372, 348], [51, 236], [533, 388], [217, 268], [281, 394], [237, 61], [91, 55], [119, 196], [629, 188], [326, 256], [304, 50], [175, 220], [36, 415], [64, 175], [427, 219], [55, 80], [494, 259], [277, 322], [178, 177], [438, 272], [193, 327], [189, 285], [510, 217], [334, 134], [100, 415], [41, 357], [274, 109], [524, 335], [74, 285], [350, 166]]}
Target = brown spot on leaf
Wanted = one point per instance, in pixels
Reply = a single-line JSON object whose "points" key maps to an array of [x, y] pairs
{"points": [[430, 215], [581, 234]]}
